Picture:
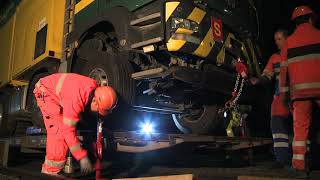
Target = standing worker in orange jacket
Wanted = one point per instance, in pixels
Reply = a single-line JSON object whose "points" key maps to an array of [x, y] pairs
{"points": [[61, 98], [300, 78], [279, 113]]}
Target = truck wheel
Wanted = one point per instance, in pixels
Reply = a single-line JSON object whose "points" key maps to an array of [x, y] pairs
{"points": [[202, 120], [32, 106], [108, 68]]}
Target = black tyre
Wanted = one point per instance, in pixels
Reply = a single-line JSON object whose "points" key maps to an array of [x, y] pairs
{"points": [[201, 122], [32, 106], [108, 68]]}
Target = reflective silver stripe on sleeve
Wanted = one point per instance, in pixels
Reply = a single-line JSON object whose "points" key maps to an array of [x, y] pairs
{"points": [[308, 57], [305, 86], [75, 147]]}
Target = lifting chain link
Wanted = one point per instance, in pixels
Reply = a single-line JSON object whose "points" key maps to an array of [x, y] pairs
{"points": [[235, 95], [235, 100]]}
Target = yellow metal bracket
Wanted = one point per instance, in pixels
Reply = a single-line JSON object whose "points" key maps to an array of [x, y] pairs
{"points": [[234, 122], [18, 83]]}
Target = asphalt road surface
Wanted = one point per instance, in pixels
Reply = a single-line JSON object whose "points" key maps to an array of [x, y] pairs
{"points": [[203, 163]]}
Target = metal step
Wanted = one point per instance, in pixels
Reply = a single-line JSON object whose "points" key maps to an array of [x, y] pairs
{"points": [[146, 73], [147, 20], [157, 110], [147, 42]]}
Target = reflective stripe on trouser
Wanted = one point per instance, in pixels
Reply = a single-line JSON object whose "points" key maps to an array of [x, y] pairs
{"points": [[56, 150], [52, 167], [50, 173], [302, 116], [279, 127]]}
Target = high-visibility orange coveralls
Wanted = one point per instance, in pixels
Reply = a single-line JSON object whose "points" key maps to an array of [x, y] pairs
{"points": [[279, 113], [61, 98], [300, 75]]}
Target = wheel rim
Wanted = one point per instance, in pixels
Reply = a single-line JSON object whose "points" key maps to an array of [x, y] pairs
{"points": [[100, 76], [188, 118], [178, 125]]}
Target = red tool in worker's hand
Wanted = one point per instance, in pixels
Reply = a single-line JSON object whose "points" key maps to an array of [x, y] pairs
{"points": [[98, 150]]}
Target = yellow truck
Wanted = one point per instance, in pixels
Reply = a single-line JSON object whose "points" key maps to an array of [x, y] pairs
{"points": [[175, 57], [31, 44]]}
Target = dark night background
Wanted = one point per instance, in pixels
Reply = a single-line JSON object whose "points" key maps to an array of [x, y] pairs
{"points": [[277, 14]]}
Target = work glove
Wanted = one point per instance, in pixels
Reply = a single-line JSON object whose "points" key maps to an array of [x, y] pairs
{"points": [[86, 166]]}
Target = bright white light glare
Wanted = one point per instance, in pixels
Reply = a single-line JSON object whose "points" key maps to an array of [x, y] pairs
{"points": [[225, 114], [147, 128]]}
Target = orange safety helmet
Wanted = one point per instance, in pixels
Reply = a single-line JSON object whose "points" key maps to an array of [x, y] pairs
{"points": [[106, 99], [301, 11]]}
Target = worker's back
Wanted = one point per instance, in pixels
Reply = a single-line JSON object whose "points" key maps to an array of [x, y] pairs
{"points": [[304, 35], [69, 86], [304, 61]]}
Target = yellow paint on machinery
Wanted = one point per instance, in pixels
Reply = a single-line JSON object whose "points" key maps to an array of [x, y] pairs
{"points": [[18, 36], [206, 45], [6, 47], [196, 15], [170, 7], [81, 5], [227, 43]]}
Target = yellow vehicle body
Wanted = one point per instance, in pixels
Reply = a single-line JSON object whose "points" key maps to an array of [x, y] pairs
{"points": [[32, 35]]}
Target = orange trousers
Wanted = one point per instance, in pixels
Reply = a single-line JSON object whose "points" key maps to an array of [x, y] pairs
{"points": [[302, 117], [56, 147]]}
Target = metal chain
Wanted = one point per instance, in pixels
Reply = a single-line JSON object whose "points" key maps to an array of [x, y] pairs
{"points": [[235, 100], [237, 83]]}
